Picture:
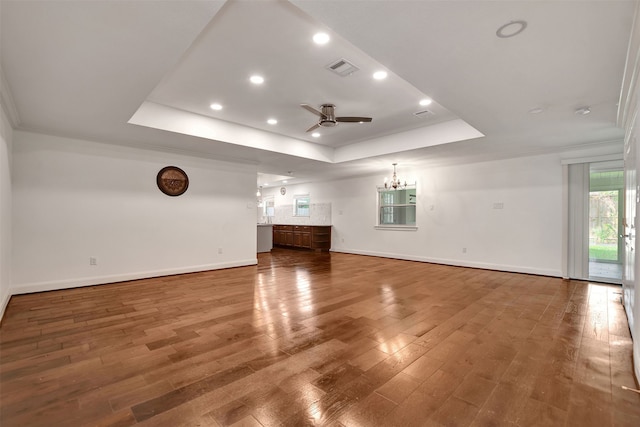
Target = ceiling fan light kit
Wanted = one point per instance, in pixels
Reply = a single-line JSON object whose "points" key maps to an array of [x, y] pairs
{"points": [[328, 117]]}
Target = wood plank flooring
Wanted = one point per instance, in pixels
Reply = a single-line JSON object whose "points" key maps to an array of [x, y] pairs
{"points": [[320, 339]]}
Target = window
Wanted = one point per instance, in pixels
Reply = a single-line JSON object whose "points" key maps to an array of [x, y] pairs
{"points": [[397, 208], [268, 207], [301, 205]]}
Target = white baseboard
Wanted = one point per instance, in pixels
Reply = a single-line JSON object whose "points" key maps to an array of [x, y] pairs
{"points": [[457, 263], [27, 288], [3, 304]]}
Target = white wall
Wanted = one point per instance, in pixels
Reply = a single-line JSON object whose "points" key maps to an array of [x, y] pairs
{"points": [[6, 136], [456, 211], [631, 287], [5, 210], [629, 120], [75, 199]]}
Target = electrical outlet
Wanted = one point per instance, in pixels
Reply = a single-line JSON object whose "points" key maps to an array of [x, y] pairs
{"points": [[93, 260], [464, 250], [219, 250], [498, 205]]}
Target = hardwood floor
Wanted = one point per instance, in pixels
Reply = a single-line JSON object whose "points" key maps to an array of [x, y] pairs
{"points": [[320, 339]]}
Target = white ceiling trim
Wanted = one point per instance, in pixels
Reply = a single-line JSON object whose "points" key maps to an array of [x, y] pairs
{"points": [[592, 159], [441, 133], [157, 116], [170, 119]]}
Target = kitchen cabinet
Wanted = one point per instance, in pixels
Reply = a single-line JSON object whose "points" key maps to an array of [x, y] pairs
{"points": [[315, 237]]}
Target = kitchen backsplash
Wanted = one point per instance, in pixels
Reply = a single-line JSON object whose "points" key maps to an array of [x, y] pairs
{"points": [[320, 214]]}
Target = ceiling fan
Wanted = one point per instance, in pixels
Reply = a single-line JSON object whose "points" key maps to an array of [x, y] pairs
{"points": [[328, 117]]}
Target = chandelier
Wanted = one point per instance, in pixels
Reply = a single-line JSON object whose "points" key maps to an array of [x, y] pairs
{"points": [[395, 182]]}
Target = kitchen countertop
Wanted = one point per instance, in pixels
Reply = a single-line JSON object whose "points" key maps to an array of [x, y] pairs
{"points": [[307, 225]]}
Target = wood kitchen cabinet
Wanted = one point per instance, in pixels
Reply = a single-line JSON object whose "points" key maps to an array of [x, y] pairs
{"points": [[283, 235], [316, 237]]}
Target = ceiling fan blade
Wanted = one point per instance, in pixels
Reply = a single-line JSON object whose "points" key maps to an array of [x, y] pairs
{"points": [[353, 119], [310, 109], [314, 127]]}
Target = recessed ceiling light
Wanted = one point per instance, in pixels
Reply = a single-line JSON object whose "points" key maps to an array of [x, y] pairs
{"points": [[256, 80], [316, 134], [536, 110], [380, 75], [583, 111], [272, 121], [511, 29], [321, 38], [285, 181], [216, 107], [265, 184], [425, 102]]}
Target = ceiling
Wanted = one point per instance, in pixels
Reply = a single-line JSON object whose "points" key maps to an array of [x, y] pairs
{"points": [[144, 74]]}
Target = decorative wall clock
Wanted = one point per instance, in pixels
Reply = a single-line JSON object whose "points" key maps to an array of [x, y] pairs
{"points": [[172, 181], [283, 190]]}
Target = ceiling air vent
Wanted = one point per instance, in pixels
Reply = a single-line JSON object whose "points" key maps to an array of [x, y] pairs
{"points": [[342, 67], [423, 114]]}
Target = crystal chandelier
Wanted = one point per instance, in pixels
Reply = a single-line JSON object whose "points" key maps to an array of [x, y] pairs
{"points": [[395, 182]]}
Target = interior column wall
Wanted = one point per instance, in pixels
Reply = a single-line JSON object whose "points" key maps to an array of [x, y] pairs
{"points": [[5, 210]]}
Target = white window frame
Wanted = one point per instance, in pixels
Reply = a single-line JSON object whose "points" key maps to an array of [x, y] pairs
{"points": [[379, 206], [268, 202], [296, 208]]}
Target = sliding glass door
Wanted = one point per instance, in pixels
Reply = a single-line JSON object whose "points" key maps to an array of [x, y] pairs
{"points": [[606, 208], [595, 221]]}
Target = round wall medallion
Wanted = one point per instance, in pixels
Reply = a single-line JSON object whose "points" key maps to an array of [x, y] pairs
{"points": [[172, 181], [283, 190]]}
